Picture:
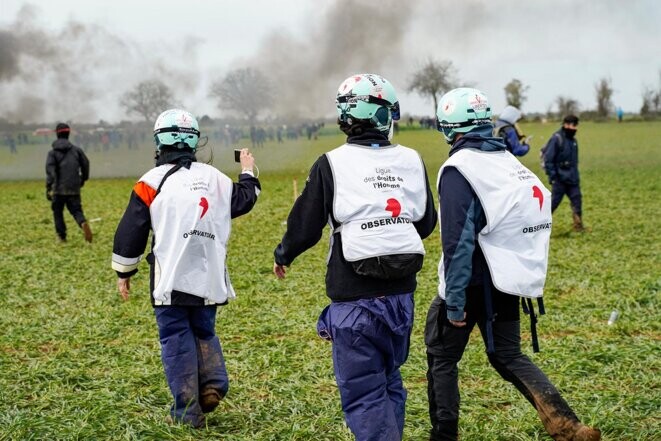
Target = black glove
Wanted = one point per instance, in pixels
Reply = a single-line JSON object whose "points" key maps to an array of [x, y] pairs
{"points": [[49, 194]]}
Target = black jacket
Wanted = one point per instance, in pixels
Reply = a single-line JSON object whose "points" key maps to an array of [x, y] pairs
{"points": [[67, 168], [312, 211]]}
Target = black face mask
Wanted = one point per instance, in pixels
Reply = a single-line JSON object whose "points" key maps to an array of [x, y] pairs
{"points": [[569, 133]]}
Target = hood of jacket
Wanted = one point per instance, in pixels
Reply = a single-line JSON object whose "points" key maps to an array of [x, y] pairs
{"points": [[479, 138], [62, 144], [510, 115]]}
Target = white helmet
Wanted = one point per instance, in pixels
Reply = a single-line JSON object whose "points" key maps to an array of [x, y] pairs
{"points": [[177, 128]]}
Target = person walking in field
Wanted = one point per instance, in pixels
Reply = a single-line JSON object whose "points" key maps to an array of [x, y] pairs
{"points": [[495, 218], [67, 170], [506, 127], [561, 166], [189, 207], [377, 200]]}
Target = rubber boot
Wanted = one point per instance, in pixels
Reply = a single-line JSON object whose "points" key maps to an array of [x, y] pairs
{"points": [[578, 223], [87, 231]]}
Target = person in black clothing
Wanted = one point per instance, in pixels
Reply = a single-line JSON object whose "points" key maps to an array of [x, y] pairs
{"points": [[67, 169], [481, 181], [377, 198], [561, 166]]}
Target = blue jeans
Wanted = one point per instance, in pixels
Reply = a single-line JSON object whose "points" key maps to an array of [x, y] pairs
{"points": [[371, 339], [192, 358]]}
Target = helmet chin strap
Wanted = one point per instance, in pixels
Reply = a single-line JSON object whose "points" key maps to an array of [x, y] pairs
{"points": [[391, 131]]}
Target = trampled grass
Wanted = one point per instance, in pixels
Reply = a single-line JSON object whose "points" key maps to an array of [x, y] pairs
{"points": [[78, 363]]}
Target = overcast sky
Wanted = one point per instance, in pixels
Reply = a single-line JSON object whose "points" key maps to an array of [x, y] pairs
{"points": [[72, 59]]}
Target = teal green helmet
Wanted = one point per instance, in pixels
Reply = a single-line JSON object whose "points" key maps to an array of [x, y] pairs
{"points": [[367, 98], [177, 128], [461, 110]]}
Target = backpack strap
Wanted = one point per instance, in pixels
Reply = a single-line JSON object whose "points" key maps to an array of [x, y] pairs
{"points": [[167, 175], [528, 309], [158, 190], [488, 305]]}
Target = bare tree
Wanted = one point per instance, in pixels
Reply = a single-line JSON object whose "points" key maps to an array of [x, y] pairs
{"points": [[515, 93], [246, 91], [604, 92], [433, 80], [651, 100], [566, 106], [148, 99]]}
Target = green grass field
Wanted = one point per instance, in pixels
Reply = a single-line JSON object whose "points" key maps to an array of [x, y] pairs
{"points": [[77, 363]]}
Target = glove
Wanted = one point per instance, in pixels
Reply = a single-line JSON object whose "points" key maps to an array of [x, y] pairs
{"points": [[49, 194]]}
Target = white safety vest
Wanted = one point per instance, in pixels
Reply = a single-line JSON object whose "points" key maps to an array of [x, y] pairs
{"points": [[378, 193], [515, 240], [191, 219]]}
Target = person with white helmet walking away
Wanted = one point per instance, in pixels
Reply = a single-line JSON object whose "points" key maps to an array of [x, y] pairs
{"points": [[376, 197], [188, 206], [495, 218]]}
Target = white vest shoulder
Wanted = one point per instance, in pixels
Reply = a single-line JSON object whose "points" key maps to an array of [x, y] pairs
{"points": [[517, 206]]}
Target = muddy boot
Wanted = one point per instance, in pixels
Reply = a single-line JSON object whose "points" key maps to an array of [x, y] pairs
{"points": [[87, 231], [578, 223], [585, 433], [209, 400]]}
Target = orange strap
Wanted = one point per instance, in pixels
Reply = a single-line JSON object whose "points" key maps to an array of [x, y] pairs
{"points": [[145, 192]]}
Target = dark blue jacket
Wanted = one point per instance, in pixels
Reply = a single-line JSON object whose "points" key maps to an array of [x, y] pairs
{"points": [[561, 159], [462, 218]]}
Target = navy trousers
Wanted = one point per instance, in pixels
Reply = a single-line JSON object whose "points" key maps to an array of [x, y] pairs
{"points": [[371, 339], [74, 206], [192, 358], [573, 192]]}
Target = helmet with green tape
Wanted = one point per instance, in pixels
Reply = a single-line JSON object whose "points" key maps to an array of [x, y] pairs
{"points": [[367, 99], [461, 110], [177, 128]]}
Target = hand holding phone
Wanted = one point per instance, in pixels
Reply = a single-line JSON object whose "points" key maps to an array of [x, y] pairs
{"points": [[246, 159]]}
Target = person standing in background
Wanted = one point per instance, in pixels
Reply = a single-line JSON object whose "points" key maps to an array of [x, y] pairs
{"points": [[67, 170]]}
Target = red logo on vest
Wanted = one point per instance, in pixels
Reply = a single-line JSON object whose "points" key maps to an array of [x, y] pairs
{"points": [[537, 193], [205, 206], [394, 206]]}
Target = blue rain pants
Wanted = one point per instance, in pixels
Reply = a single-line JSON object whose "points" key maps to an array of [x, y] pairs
{"points": [[192, 358], [371, 339]]}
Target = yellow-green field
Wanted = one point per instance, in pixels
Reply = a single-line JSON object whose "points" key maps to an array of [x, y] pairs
{"points": [[77, 363]]}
